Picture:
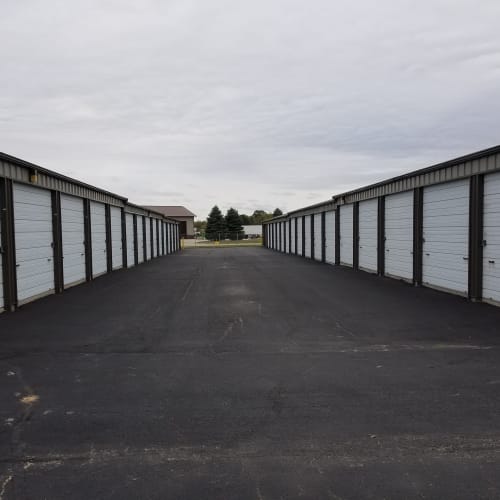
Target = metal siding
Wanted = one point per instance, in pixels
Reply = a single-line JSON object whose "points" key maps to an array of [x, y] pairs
{"points": [[346, 234], [491, 235], [368, 218], [34, 241], [129, 221], [330, 237], [116, 237], [317, 236], [98, 230], [307, 229], [446, 236], [399, 235], [73, 239]]}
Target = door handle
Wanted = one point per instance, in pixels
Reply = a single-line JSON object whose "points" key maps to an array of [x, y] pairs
{"points": [[491, 261], [465, 258]]}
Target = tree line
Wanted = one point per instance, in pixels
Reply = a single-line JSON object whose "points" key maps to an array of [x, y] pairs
{"points": [[220, 227]]}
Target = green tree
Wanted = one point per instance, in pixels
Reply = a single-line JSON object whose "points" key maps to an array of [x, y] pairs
{"points": [[246, 220], [277, 212], [233, 225], [215, 225], [259, 216]]}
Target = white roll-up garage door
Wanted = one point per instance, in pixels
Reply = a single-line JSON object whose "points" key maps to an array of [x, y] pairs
{"points": [[73, 239], [399, 235], [330, 237], [308, 237], [346, 234], [299, 236], [129, 221], [116, 237], [2, 304], [148, 238], [368, 223], [491, 252], [34, 242], [286, 231], [294, 242], [446, 236], [154, 250], [282, 231], [169, 238], [318, 236], [98, 231], [140, 239]]}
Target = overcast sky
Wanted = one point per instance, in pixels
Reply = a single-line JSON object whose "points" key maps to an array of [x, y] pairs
{"points": [[252, 104]]}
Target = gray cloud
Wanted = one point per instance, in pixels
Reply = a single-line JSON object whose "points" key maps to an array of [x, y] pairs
{"points": [[251, 104]]}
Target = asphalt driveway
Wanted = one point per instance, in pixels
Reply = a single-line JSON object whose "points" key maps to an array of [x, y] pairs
{"points": [[247, 374]]}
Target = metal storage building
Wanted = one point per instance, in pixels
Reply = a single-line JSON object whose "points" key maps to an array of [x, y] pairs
{"points": [[56, 232], [437, 227]]}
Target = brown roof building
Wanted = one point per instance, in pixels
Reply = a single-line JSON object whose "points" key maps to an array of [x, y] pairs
{"points": [[178, 213]]}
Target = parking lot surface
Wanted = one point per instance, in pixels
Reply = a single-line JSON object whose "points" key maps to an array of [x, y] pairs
{"points": [[241, 373]]}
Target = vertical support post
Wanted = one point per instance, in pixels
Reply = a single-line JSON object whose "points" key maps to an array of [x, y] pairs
{"points": [[88, 239], [323, 237], [125, 238], [355, 236], [418, 234], [337, 236], [476, 237], [313, 250], [57, 242], [136, 242], [8, 245], [109, 241], [381, 236]]}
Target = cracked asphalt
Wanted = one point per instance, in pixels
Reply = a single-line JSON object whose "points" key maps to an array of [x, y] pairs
{"points": [[241, 373]]}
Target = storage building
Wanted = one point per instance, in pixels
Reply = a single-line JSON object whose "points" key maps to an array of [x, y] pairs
{"points": [[437, 227], [57, 232]]}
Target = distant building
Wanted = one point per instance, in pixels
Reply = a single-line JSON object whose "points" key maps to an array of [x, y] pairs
{"points": [[178, 213], [253, 231]]}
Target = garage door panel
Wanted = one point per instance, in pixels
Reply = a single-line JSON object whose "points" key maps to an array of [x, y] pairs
{"points": [[140, 239], [294, 243], [398, 234], [116, 238], [308, 236], [34, 241], [368, 237], [330, 237], [73, 239], [346, 234], [98, 233], [317, 236], [446, 236], [129, 222], [299, 236], [491, 234]]}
